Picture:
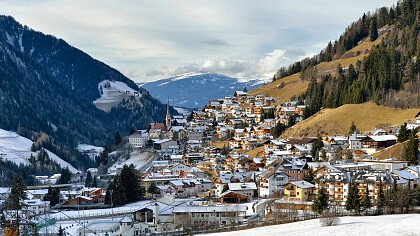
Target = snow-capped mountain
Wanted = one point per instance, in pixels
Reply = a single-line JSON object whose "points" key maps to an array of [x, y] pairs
{"points": [[194, 90]]}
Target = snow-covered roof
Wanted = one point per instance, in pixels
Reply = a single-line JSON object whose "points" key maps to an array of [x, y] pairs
{"points": [[381, 138], [242, 186], [210, 208], [405, 174], [302, 184]]}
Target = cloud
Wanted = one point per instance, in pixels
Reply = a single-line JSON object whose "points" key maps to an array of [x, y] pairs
{"points": [[263, 68], [151, 39], [216, 42]]}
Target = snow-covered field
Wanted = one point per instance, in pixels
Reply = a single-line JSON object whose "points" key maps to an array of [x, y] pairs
{"points": [[138, 159], [350, 225], [17, 149], [86, 147], [113, 95]]}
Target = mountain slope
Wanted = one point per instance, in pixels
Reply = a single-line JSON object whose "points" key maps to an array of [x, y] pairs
{"points": [[337, 121], [194, 90], [17, 149], [49, 86]]}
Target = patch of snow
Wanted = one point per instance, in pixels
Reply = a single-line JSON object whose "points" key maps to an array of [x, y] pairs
{"points": [[138, 159], [92, 151], [182, 111], [113, 95], [20, 42], [350, 225], [187, 75], [9, 39], [17, 149]]}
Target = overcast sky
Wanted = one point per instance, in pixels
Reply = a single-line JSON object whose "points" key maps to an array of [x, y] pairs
{"points": [[153, 39]]}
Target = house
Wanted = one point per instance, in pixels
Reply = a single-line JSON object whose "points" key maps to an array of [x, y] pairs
{"points": [[163, 144], [271, 183], [242, 189], [36, 206], [355, 141], [373, 143], [216, 215], [299, 191], [195, 134], [138, 139]]}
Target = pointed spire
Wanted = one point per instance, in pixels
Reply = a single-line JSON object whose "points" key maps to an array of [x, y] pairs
{"points": [[168, 111]]}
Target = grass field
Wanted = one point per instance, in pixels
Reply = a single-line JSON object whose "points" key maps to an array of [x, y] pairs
{"points": [[395, 151], [338, 121]]}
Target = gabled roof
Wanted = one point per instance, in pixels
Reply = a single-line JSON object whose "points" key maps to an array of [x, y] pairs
{"points": [[302, 184], [242, 186]]}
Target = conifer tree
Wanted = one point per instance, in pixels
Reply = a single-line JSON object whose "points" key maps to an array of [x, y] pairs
{"points": [[60, 231], [65, 176], [353, 198], [321, 201], [411, 149], [381, 198], [373, 29], [353, 128], [366, 201], [88, 180], [14, 201], [404, 133], [117, 138]]}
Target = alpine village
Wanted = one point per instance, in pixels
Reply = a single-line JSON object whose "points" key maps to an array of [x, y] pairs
{"points": [[332, 138]]}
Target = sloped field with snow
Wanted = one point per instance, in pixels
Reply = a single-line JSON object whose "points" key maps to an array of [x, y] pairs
{"points": [[351, 225], [17, 149], [112, 93]]}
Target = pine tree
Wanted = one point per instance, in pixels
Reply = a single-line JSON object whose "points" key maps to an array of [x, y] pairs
{"points": [[404, 133], [95, 182], [88, 180], [309, 176], [152, 189], [60, 231], [65, 176], [353, 198], [373, 29], [117, 138], [14, 201], [366, 201], [411, 149], [381, 198], [321, 201], [353, 128], [53, 196]]}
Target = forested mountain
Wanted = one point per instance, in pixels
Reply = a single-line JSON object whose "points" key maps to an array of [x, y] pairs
{"points": [[49, 86], [387, 75]]}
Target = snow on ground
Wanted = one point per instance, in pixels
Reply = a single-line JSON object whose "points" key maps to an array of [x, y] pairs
{"points": [[182, 111], [17, 149], [113, 95], [137, 158], [350, 225], [86, 148]]}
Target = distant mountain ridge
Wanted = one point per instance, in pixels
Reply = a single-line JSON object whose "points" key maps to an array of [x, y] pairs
{"points": [[48, 86], [195, 89]]}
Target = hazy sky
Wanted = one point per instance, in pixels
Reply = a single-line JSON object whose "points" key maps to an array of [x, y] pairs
{"points": [[154, 39]]}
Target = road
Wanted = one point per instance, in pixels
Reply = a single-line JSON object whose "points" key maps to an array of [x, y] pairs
{"points": [[149, 162]]}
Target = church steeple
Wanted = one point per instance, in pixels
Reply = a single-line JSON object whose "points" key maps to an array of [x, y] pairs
{"points": [[168, 116]]}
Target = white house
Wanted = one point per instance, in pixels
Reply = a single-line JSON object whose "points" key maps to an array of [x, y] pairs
{"points": [[138, 139], [271, 183]]}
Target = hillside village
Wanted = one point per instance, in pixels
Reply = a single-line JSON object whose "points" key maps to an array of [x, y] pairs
{"points": [[207, 168], [333, 135]]}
